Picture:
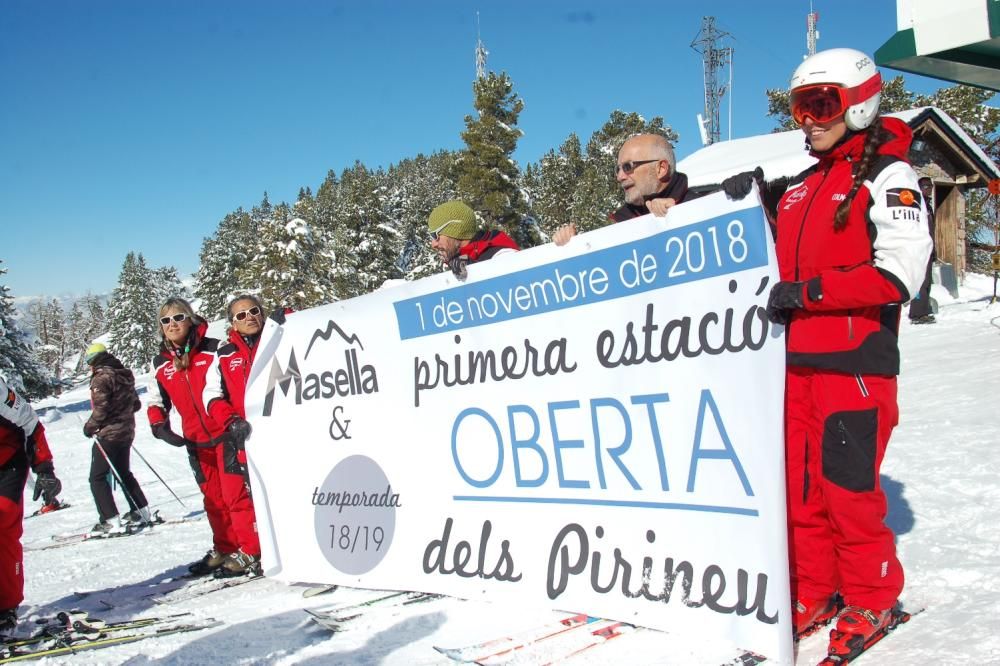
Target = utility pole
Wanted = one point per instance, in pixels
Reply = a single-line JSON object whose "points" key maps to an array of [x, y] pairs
{"points": [[481, 53], [714, 57]]}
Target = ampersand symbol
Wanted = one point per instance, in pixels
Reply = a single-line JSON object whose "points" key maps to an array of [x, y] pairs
{"points": [[341, 428]]}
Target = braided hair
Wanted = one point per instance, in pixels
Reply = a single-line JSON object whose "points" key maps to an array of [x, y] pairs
{"points": [[874, 138]]}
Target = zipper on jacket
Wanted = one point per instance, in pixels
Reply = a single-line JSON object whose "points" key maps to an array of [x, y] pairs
{"points": [[187, 380], [843, 431], [805, 216], [850, 325], [805, 476]]}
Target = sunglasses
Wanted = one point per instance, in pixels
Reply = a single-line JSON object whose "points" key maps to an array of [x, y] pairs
{"points": [[253, 312], [827, 101], [179, 317], [437, 232], [629, 167]]}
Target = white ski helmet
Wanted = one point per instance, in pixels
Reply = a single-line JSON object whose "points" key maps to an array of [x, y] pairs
{"points": [[851, 74]]}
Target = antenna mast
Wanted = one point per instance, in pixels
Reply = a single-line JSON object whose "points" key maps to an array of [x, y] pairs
{"points": [[812, 31], [481, 53], [714, 58]]}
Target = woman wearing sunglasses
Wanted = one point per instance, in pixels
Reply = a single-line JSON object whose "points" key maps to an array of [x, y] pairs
{"points": [[179, 376], [852, 245]]}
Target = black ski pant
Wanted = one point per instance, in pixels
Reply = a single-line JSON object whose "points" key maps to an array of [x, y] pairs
{"points": [[119, 454]]}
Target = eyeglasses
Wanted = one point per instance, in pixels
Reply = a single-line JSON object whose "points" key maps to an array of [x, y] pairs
{"points": [[828, 101], [179, 317], [629, 167], [437, 232], [253, 312]]}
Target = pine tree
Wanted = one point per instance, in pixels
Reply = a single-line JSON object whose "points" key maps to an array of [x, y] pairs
{"points": [[487, 172], [133, 312], [166, 284], [418, 186], [18, 364], [49, 323], [222, 255], [280, 265]]}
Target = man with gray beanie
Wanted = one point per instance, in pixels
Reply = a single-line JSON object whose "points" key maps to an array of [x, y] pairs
{"points": [[457, 239]]}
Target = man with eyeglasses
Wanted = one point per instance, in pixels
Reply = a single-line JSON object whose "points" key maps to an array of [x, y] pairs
{"points": [[457, 239], [226, 383], [648, 178]]}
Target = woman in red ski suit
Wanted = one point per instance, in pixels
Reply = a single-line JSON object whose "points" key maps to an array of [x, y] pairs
{"points": [[22, 445], [178, 381], [852, 245]]}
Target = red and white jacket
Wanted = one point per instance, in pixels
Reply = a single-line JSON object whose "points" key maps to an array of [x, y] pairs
{"points": [[867, 269], [226, 384], [182, 390], [20, 429]]}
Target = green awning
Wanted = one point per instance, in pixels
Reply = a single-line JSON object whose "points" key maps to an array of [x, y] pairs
{"points": [[973, 60]]}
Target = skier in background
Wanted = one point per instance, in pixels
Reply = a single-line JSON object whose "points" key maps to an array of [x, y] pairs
{"points": [[22, 445], [114, 403]]}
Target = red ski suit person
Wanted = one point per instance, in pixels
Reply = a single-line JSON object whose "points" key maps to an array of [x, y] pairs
{"points": [[843, 358], [22, 445], [226, 383], [227, 502]]}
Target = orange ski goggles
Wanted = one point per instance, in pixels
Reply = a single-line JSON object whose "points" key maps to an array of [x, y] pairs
{"points": [[824, 102]]}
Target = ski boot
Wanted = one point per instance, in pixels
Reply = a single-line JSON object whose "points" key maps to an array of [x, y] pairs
{"points": [[213, 560], [811, 615], [856, 629]]}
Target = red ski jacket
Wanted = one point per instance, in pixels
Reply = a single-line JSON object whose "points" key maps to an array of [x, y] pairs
{"points": [[20, 430], [485, 244], [867, 269], [226, 384], [182, 390]]}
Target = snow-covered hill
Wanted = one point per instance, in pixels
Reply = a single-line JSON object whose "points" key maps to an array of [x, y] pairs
{"points": [[939, 474]]}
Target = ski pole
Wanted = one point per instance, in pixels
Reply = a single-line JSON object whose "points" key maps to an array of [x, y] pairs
{"points": [[111, 466], [141, 457]]}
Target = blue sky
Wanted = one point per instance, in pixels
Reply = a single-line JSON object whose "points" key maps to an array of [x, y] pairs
{"points": [[137, 125]]}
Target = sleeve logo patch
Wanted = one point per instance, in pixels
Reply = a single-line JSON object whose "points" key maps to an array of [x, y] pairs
{"points": [[11, 399], [901, 196]]}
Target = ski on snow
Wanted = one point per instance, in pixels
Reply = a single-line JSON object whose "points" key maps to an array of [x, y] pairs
{"points": [[74, 631], [899, 616], [557, 641], [62, 540], [515, 641], [201, 586], [336, 618]]}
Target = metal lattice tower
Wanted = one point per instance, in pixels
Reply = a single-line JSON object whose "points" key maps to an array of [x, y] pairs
{"points": [[481, 53], [714, 58], [812, 31]]}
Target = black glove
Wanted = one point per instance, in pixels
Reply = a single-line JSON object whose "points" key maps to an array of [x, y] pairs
{"points": [[163, 432], [458, 264], [239, 430], [788, 296], [738, 186], [89, 430], [47, 486]]}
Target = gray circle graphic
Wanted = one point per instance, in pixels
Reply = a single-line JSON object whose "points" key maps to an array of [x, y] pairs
{"points": [[355, 515]]}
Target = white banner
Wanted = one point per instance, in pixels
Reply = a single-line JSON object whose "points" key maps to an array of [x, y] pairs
{"points": [[595, 427]]}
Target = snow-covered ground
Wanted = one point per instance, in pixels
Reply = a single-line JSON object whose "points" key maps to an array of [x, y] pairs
{"points": [[939, 474]]}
